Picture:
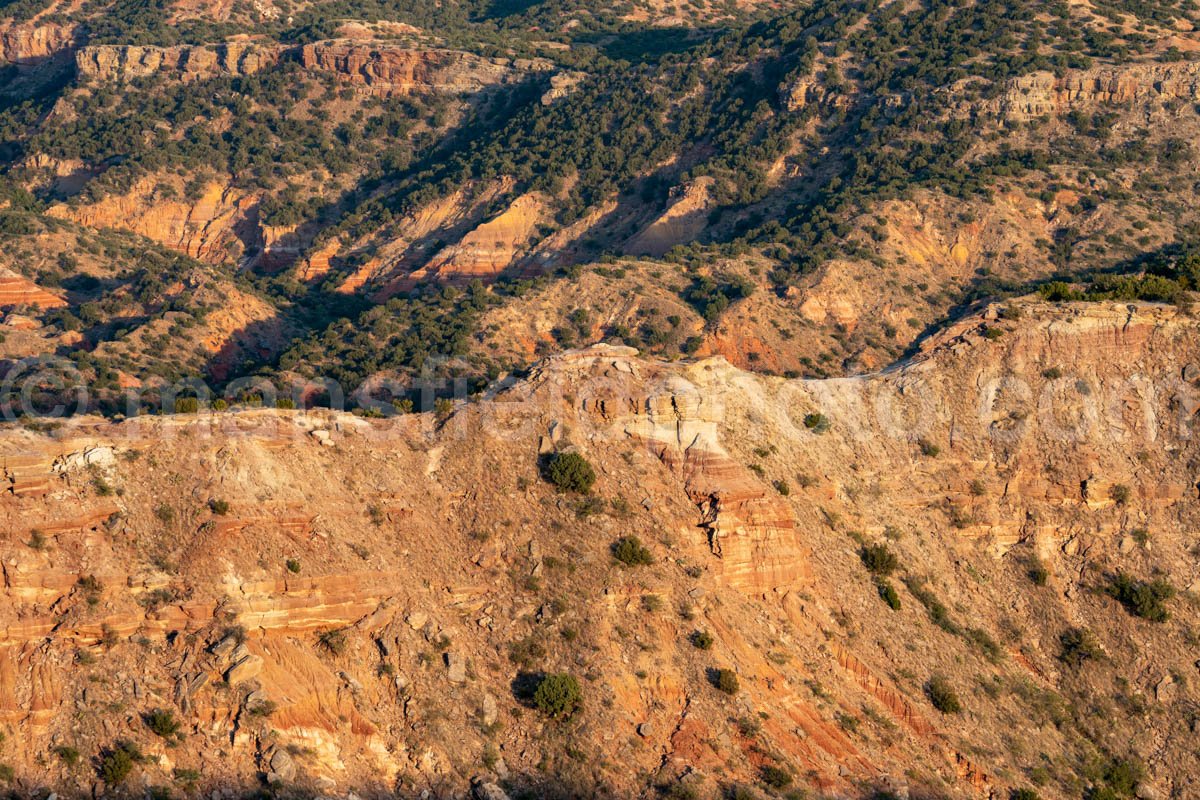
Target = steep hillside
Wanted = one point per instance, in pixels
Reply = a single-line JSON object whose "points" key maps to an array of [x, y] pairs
{"points": [[333, 604], [539, 398]]}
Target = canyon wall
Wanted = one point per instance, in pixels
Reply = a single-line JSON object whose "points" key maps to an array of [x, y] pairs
{"points": [[341, 603]]}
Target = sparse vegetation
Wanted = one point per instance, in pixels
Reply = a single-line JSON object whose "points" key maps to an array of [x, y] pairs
{"points": [[1145, 599], [333, 641], [526, 652], [1037, 572], [775, 777], [67, 755], [702, 640], [938, 613]]}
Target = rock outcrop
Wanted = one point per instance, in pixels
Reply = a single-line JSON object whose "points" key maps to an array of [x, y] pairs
{"points": [[379, 68], [27, 44], [214, 226], [16, 290], [1043, 94], [484, 251], [382, 69], [190, 62], [683, 220]]}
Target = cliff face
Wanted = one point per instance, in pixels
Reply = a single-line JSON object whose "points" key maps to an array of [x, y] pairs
{"points": [[344, 604], [1043, 94], [124, 62], [215, 226], [379, 68], [395, 70], [683, 220], [488, 249], [30, 43]]}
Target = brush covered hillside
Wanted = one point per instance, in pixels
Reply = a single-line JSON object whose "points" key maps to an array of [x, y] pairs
{"points": [[505, 398], [454, 190]]}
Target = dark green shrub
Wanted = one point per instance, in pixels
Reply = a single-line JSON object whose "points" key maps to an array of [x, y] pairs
{"points": [[1078, 645], [526, 652], [1119, 780], [879, 559], [702, 640], [7, 774], [333, 641], [928, 448], [1037, 572], [938, 613], [117, 762], [1145, 599], [630, 551], [1024, 794], [218, 507], [558, 695], [775, 777], [737, 791], [727, 681], [162, 722], [293, 566], [888, 593], [941, 694], [1058, 292], [1120, 493], [816, 422], [68, 755], [570, 472]]}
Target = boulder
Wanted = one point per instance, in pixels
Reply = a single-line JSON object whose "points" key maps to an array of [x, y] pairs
{"points": [[488, 712], [456, 668], [483, 790], [245, 669], [283, 768]]}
